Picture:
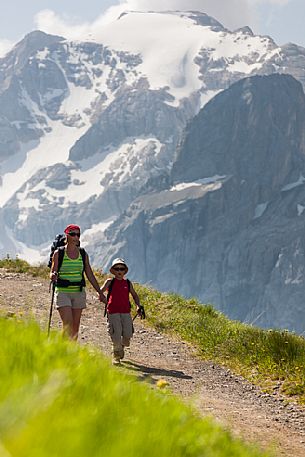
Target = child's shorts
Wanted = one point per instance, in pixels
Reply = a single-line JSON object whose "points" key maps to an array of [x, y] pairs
{"points": [[75, 300], [119, 325]]}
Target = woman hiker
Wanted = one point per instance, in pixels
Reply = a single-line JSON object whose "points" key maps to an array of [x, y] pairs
{"points": [[69, 264]]}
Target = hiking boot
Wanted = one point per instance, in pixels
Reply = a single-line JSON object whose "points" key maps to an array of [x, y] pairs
{"points": [[118, 354]]}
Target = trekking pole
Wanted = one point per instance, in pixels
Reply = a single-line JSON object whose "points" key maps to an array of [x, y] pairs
{"points": [[51, 307]]}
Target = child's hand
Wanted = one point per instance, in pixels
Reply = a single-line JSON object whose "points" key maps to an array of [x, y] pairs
{"points": [[141, 312]]}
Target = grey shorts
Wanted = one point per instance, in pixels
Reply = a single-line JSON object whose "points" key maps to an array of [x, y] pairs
{"points": [[119, 325], [72, 299]]}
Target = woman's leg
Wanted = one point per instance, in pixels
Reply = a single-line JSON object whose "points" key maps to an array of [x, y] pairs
{"points": [[76, 315], [66, 316], [78, 301]]}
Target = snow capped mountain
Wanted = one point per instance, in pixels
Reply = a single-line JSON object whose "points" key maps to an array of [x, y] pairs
{"points": [[175, 48], [87, 127]]}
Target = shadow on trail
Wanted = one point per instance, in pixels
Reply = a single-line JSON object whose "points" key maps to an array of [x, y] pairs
{"points": [[154, 371]]}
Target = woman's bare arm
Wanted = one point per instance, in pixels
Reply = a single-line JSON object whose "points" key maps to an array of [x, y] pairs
{"points": [[92, 279], [54, 267]]}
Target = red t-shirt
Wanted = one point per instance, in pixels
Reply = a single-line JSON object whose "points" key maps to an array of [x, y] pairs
{"points": [[119, 297]]}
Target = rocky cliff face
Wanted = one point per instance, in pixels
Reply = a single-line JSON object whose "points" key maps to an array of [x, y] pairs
{"points": [[230, 229]]}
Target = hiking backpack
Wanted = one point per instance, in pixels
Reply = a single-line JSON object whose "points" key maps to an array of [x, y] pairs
{"points": [[60, 240], [59, 244]]}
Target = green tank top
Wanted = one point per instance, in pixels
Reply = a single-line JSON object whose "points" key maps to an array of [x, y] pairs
{"points": [[71, 269]]}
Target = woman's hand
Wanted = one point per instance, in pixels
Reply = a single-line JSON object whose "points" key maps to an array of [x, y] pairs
{"points": [[53, 276], [102, 297]]}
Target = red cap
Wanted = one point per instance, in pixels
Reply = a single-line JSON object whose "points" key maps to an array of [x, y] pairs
{"points": [[71, 228]]}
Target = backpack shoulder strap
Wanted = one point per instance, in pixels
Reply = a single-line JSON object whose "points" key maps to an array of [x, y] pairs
{"points": [[83, 254], [128, 284], [110, 289], [61, 253]]}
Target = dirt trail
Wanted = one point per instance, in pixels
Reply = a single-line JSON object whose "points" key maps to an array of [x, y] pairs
{"points": [[214, 390]]}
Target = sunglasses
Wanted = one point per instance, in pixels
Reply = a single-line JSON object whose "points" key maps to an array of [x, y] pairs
{"points": [[119, 268], [74, 234]]}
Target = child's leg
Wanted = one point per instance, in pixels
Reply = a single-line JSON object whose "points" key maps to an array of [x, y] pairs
{"points": [[127, 329], [114, 327]]}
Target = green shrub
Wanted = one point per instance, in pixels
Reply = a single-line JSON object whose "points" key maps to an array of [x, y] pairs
{"points": [[21, 266]]}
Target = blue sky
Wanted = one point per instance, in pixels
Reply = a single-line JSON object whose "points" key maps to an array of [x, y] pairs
{"points": [[281, 19]]}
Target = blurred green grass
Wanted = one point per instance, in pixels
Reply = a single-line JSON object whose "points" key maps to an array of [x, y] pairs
{"points": [[60, 399]]}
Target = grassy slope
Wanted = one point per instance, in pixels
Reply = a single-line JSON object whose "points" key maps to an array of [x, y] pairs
{"points": [[270, 358], [59, 399]]}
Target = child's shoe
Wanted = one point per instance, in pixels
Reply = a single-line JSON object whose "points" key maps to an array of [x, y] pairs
{"points": [[117, 357], [116, 361]]}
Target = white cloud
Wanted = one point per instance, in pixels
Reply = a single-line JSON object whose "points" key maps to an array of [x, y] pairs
{"points": [[48, 21], [5, 47]]}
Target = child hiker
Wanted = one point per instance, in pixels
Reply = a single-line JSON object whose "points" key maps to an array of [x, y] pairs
{"points": [[119, 320]]}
